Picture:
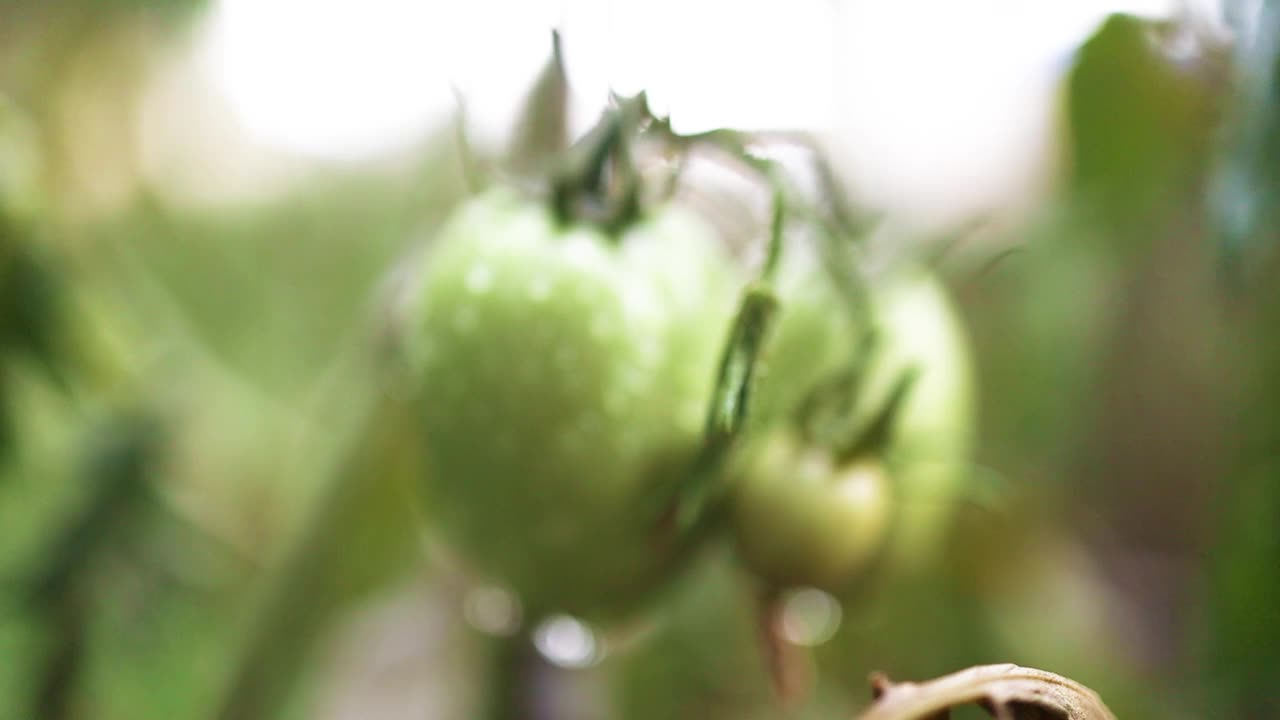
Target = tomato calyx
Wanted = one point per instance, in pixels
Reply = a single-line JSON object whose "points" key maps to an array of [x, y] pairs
{"points": [[598, 182], [593, 181], [848, 436]]}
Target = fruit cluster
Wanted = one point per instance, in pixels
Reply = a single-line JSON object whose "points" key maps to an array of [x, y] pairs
{"points": [[604, 383]]}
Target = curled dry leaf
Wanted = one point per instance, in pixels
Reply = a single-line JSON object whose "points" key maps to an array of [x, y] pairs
{"points": [[1007, 692]]}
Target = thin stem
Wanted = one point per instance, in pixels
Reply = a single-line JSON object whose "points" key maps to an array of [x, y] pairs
{"points": [[730, 401], [773, 255], [787, 665]]}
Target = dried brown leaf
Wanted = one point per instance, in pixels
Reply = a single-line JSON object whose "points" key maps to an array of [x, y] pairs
{"points": [[1007, 692]]}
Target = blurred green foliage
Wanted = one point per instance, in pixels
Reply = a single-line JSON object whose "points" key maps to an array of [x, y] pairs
{"points": [[1247, 180], [1138, 122], [202, 477]]}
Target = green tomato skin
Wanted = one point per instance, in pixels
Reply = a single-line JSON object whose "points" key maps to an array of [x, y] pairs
{"points": [[564, 378], [792, 523], [800, 521], [931, 449], [815, 336]]}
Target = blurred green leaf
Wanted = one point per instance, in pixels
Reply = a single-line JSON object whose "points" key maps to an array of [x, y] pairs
{"points": [[116, 469], [1136, 121], [1241, 631], [6, 418], [1245, 193], [277, 290], [362, 536], [1243, 659], [703, 660], [31, 299], [20, 165]]}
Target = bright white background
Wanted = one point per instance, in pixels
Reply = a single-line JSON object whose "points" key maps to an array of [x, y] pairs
{"points": [[928, 104]]}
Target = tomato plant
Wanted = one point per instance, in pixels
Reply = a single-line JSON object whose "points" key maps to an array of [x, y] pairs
{"points": [[586, 383]]}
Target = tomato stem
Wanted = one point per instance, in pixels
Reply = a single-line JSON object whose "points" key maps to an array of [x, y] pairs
{"points": [[773, 254], [787, 665], [730, 400], [581, 189]]}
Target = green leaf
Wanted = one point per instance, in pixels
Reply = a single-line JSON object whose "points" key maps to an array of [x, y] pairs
{"points": [[1135, 122], [730, 400], [1243, 658], [1245, 191]]}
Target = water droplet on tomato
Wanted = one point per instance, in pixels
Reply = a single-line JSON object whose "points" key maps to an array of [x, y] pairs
{"points": [[567, 642], [493, 610], [810, 617]]}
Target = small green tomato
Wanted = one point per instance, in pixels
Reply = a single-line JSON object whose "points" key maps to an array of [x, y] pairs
{"points": [[801, 520], [801, 516], [931, 441]]}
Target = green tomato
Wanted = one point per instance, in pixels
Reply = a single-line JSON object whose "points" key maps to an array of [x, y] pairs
{"points": [[815, 336], [564, 378], [931, 444], [799, 520], [796, 517]]}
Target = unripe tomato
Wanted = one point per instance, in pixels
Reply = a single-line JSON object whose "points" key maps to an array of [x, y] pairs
{"points": [[802, 517], [815, 336], [931, 442], [801, 520], [564, 377]]}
